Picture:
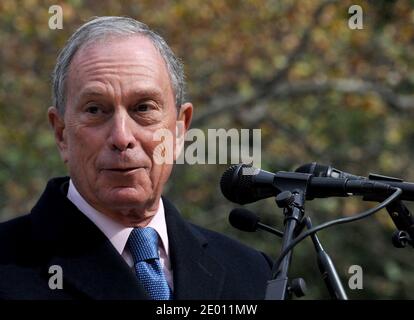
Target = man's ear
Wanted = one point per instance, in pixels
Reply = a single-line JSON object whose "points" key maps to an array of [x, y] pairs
{"points": [[183, 124], [58, 124], [186, 114]]}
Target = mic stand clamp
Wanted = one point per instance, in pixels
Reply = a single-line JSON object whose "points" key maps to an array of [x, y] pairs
{"points": [[401, 238], [292, 199], [404, 222], [399, 213]]}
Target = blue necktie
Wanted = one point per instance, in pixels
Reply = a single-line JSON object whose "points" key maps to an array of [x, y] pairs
{"points": [[143, 245]]}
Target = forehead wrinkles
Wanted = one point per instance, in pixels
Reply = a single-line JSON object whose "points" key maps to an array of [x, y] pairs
{"points": [[105, 67], [117, 61], [129, 64]]}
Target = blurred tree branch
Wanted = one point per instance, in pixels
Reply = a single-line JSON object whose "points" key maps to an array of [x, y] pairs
{"points": [[220, 104], [279, 87], [398, 102]]}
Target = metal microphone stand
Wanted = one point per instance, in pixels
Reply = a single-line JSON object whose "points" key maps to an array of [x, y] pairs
{"points": [[327, 268], [293, 203], [399, 213], [292, 200], [404, 223]]}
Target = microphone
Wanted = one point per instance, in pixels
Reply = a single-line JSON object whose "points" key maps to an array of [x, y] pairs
{"points": [[320, 170], [246, 220], [399, 213], [242, 188]]}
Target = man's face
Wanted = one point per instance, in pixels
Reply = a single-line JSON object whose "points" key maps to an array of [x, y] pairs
{"points": [[118, 94]]}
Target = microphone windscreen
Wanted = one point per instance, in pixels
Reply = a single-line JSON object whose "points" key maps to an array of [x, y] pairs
{"points": [[236, 186], [243, 219]]}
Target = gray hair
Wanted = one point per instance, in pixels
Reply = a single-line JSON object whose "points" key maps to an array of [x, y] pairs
{"points": [[100, 28]]}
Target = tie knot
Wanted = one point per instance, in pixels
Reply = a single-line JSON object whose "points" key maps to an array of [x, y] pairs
{"points": [[143, 244]]}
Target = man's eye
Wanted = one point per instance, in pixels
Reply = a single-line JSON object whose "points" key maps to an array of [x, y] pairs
{"points": [[142, 107], [93, 109]]}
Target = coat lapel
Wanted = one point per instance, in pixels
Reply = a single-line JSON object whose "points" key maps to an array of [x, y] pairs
{"points": [[197, 275], [99, 274], [90, 264]]}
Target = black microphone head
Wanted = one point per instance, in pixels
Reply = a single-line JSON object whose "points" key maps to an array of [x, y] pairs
{"points": [[236, 186], [243, 184], [243, 219], [315, 169]]}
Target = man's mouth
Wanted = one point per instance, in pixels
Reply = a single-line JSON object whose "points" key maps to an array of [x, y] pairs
{"points": [[121, 170]]}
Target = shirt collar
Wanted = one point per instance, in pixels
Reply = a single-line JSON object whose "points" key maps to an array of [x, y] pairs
{"points": [[114, 231]]}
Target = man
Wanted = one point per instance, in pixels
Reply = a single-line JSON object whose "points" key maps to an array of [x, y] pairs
{"points": [[105, 229]]}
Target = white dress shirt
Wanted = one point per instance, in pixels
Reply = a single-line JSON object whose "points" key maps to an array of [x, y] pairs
{"points": [[119, 234]]}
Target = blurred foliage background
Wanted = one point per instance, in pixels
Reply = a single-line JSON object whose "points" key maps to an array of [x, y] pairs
{"points": [[318, 90]]}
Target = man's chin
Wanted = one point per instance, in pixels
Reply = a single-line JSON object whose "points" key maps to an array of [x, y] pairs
{"points": [[126, 198]]}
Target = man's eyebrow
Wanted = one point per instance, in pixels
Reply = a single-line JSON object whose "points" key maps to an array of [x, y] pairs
{"points": [[147, 93]]}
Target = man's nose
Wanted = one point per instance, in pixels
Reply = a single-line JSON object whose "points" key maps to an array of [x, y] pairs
{"points": [[121, 136]]}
